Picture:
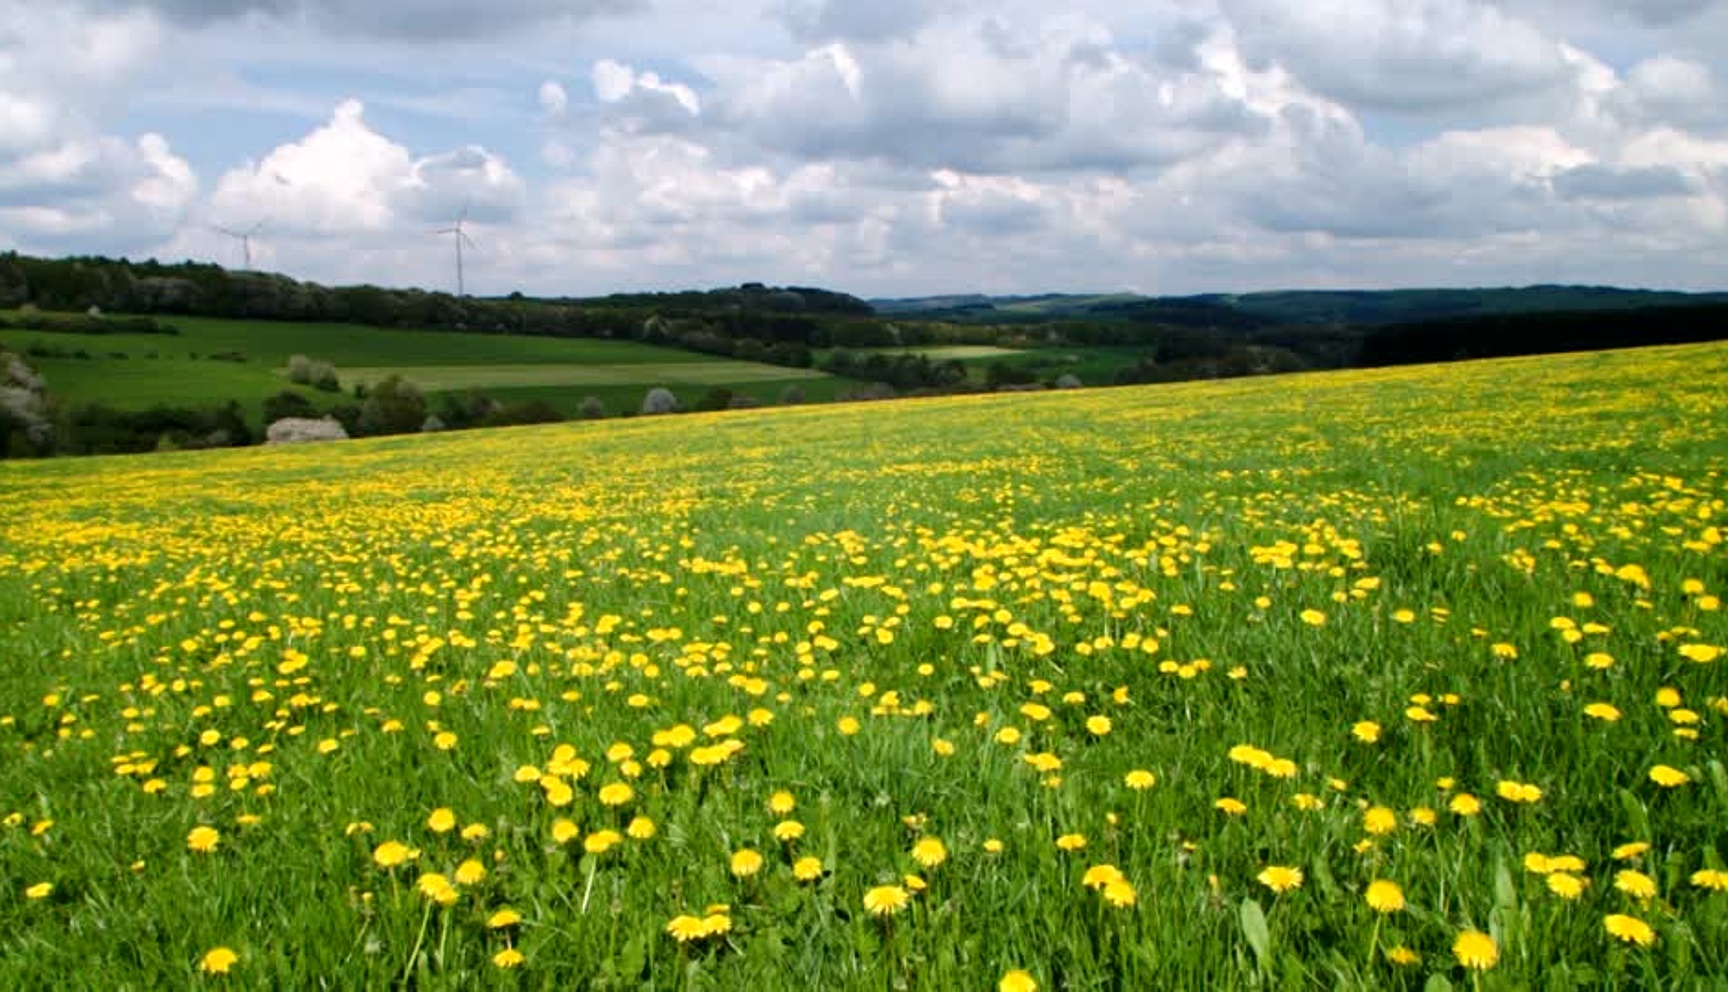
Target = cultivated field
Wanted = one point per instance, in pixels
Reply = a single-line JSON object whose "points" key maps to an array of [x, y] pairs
{"points": [[136, 371], [1397, 679]]}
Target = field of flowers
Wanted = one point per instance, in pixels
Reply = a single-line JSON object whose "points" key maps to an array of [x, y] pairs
{"points": [[1408, 679]]}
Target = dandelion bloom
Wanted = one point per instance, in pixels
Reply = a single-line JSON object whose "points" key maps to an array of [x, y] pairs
{"points": [[641, 828], [716, 923], [1384, 896], [445, 740], [1280, 878], [392, 853], [437, 888], [1120, 893], [930, 852], [1475, 949], [746, 862], [781, 803], [1098, 876], [1403, 956], [1606, 712], [1017, 980], [616, 794], [507, 958], [502, 919], [684, 928], [601, 841], [1566, 885], [993, 846], [39, 891], [564, 831], [886, 900], [807, 869], [441, 821], [1635, 883], [203, 839], [1366, 731], [1313, 618], [1517, 792], [1714, 879], [1140, 779], [470, 872], [1098, 726], [1669, 778], [1071, 842], [1379, 820], [217, 961], [1630, 929], [1230, 807], [1464, 804], [1626, 852]]}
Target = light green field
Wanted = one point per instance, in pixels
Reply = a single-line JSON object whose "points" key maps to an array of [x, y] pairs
{"points": [[1403, 679], [951, 352], [449, 378], [137, 371]]}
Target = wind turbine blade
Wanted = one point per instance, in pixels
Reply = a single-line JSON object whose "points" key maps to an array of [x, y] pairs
{"points": [[464, 236]]}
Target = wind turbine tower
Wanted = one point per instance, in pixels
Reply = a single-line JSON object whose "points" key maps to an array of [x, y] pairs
{"points": [[245, 239], [459, 236]]}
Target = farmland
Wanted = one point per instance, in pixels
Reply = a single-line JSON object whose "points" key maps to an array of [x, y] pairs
{"points": [[1404, 678], [134, 371]]}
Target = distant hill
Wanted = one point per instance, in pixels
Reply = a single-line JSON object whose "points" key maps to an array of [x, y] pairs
{"points": [[1248, 311]]}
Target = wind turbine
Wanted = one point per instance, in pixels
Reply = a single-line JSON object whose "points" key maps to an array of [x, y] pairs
{"points": [[459, 236], [245, 239]]}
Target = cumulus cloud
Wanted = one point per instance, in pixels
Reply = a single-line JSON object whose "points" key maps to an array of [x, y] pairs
{"points": [[412, 20], [1403, 55]]}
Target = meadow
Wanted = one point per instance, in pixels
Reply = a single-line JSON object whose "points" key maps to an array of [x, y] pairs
{"points": [[136, 371], [1405, 678]]}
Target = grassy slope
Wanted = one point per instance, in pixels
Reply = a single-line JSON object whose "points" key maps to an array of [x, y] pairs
{"points": [[1289, 555]]}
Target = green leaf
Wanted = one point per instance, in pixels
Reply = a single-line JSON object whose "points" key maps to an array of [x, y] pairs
{"points": [[1437, 983], [1255, 929]]}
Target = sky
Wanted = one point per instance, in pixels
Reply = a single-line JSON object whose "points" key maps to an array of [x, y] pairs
{"points": [[879, 147]]}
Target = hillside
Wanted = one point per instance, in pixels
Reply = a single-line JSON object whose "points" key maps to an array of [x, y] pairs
{"points": [[1298, 682]]}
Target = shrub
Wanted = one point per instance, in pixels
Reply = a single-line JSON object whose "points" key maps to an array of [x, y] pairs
{"points": [[659, 400], [591, 408]]}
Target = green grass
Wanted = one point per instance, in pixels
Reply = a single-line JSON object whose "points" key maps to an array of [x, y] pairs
{"points": [[915, 619], [452, 378]]}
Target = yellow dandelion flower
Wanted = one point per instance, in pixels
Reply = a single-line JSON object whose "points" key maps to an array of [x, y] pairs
{"points": [[641, 828], [601, 841], [1626, 852], [1230, 806], [503, 919], [442, 821], [203, 840], [930, 852], [1098, 876], [1366, 731], [807, 869], [886, 900], [1098, 726], [1669, 778], [1120, 894], [1313, 618], [1379, 820], [470, 872], [993, 846], [848, 726], [217, 961], [392, 853], [1464, 804], [1566, 885], [1630, 929], [1517, 792], [564, 831], [684, 928], [1384, 896], [616, 794], [1714, 879], [444, 740], [1308, 802], [746, 862], [1476, 950], [781, 803], [1017, 980], [437, 888], [1071, 842], [40, 890], [507, 958], [1280, 878], [716, 923], [1403, 956], [474, 833], [1140, 779], [1635, 883]]}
